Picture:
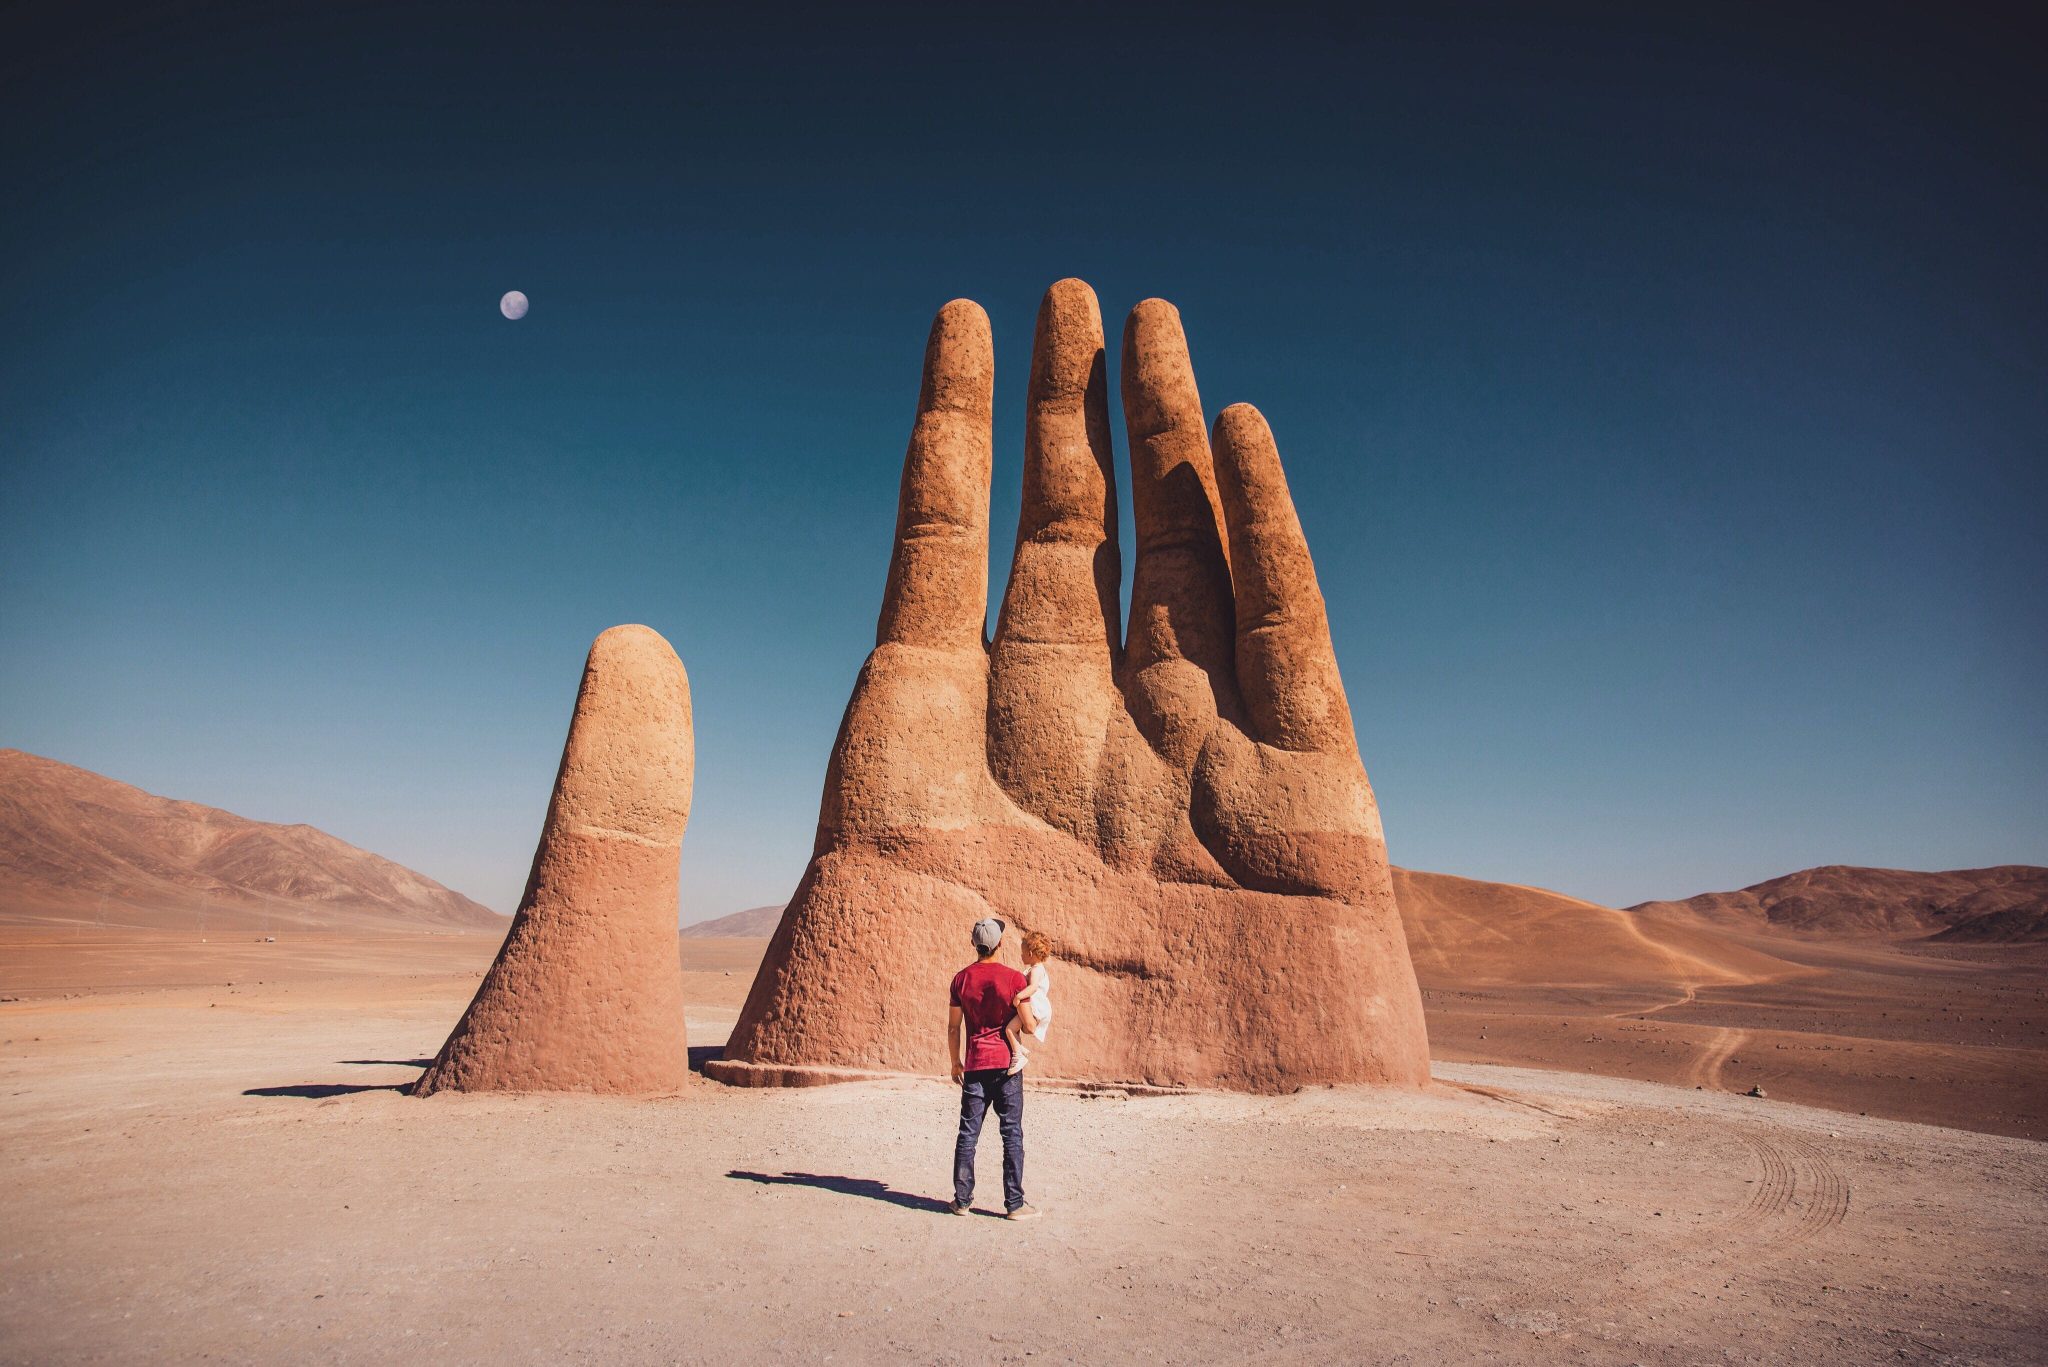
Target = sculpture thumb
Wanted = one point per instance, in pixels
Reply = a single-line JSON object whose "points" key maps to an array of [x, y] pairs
{"points": [[587, 993]]}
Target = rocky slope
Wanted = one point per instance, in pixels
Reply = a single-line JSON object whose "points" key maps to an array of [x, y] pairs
{"points": [[80, 848], [753, 923], [1467, 934], [2007, 904]]}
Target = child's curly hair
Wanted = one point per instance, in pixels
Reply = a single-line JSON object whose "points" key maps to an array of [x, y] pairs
{"points": [[1037, 945]]}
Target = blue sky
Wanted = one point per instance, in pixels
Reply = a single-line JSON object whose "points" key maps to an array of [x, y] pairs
{"points": [[1663, 397]]}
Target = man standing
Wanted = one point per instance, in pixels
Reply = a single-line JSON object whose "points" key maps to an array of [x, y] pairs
{"points": [[983, 993]]}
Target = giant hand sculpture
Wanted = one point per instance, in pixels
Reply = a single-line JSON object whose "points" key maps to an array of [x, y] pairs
{"points": [[1182, 810]]}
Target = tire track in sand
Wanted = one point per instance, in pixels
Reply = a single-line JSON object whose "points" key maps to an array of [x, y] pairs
{"points": [[1801, 1194], [1705, 1071], [1691, 995], [1771, 1196], [1823, 1193], [1797, 1195], [1509, 1100]]}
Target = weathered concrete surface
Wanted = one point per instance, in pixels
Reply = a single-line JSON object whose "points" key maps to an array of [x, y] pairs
{"points": [[587, 993], [1179, 805]]}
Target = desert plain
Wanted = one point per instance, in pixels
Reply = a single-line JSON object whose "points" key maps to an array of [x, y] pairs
{"points": [[209, 1158]]}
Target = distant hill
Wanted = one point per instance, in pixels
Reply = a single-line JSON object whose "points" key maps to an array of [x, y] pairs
{"points": [[2006, 904], [80, 848], [755, 923], [1466, 934]]}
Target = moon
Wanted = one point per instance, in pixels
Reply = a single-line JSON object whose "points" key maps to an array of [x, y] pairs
{"points": [[513, 305]]}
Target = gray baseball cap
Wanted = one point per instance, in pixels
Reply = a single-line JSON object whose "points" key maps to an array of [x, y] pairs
{"points": [[988, 933]]}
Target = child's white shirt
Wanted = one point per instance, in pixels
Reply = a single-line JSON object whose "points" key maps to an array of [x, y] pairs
{"points": [[1041, 1000]]}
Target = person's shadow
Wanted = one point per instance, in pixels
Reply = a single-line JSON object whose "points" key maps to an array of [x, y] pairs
{"points": [[845, 1186]]}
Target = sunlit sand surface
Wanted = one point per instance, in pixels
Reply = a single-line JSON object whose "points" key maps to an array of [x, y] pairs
{"points": [[198, 1169]]}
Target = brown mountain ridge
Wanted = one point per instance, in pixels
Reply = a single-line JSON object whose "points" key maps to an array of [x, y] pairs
{"points": [[751, 924], [2002, 905], [78, 848]]}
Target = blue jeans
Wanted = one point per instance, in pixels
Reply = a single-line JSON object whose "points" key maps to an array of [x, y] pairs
{"points": [[1004, 1090]]}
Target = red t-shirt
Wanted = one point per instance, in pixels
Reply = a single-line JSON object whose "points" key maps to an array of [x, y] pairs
{"points": [[985, 993]]}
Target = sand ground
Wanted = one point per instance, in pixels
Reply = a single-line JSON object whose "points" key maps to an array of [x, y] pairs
{"points": [[203, 1171], [1953, 1036]]}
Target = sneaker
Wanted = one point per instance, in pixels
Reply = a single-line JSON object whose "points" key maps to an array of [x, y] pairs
{"points": [[958, 1208], [1024, 1213]]}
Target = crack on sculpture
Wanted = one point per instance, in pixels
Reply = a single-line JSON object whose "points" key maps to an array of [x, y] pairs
{"points": [[1108, 967], [614, 833], [1176, 797], [935, 531]]}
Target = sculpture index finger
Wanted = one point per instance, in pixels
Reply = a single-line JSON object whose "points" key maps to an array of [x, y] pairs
{"points": [[937, 594]]}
